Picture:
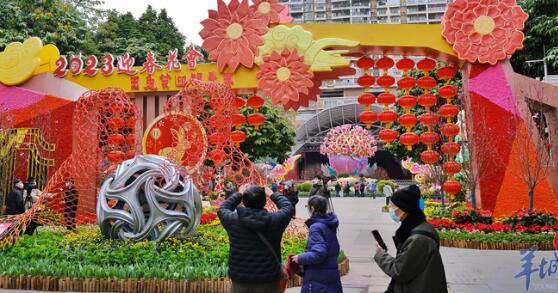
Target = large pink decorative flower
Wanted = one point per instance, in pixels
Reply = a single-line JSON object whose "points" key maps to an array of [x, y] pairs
{"points": [[284, 76], [486, 31], [232, 34], [349, 140], [270, 10]]}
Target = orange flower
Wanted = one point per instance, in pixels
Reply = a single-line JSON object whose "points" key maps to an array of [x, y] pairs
{"points": [[232, 34], [486, 31], [269, 10], [284, 76]]}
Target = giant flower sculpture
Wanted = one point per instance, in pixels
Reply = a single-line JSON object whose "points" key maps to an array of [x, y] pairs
{"points": [[270, 10], [486, 31], [284, 76], [348, 148], [232, 34]]}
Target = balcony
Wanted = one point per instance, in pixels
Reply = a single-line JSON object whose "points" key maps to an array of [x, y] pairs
{"points": [[360, 11], [437, 8], [340, 15]]}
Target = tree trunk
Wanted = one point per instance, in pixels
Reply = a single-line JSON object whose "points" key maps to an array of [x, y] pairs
{"points": [[531, 199], [473, 199]]}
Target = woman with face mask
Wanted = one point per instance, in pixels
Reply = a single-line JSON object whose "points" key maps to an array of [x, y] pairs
{"points": [[321, 271], [417, 267]]}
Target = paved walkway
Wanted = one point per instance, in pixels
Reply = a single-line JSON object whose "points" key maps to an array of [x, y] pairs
{"points": [[467, 270]]}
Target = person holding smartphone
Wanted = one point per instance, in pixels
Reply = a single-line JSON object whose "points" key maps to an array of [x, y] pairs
{"points": [[417, 266]]}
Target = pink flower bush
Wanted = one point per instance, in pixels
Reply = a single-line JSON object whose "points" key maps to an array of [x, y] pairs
{"points": [[486, 31], [349, 140]]}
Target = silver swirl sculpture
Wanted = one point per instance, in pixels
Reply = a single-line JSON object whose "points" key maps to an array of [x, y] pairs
{"points": [[152, 198]]}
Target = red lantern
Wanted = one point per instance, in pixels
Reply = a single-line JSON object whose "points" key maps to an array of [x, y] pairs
{"points": [[452, 187], [430, 157], [429, 138], [115, 139], [407, 101], [426, 65], [429, 119], [256, 119], [449, 129], [216, 138], [238, 136], [387, 117], [386, 99], [385, 63], [405, 64], [115, 123], [130, 139], [368, 117], [388, 135], [447, 91], [408, 120], [131, 123], [448, 111], [365, 63], [406, 83], [426, 82], [385, 81], [239, 103], [238, 119], [451, 168], [409, 139], [130, 154], [366, 99], [366, 80], [446, 73], [116, 108], [427, 100], [217, 156], [451, 148], [255, 102]]}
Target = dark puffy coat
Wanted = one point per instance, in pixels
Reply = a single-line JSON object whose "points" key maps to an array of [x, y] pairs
{"points": [[321, 269], [250, 261], [14, 202], [418, 266]]}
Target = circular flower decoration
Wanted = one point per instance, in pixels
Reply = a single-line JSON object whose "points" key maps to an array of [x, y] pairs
{"points": [[349, 140], [232, 34], [270, 10], [486, 31], [284, 76]]}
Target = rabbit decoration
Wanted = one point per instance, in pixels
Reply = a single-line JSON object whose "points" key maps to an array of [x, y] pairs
{"points": [[181, 144]]}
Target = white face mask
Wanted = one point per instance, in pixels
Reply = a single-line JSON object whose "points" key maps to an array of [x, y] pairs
{"points": [[19, 185], [393, 215]]}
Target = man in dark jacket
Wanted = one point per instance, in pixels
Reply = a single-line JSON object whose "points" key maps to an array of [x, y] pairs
{"points": [[15, 201], [252, 266], [418, 266]]}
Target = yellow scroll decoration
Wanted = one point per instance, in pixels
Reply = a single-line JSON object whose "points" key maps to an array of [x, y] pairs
{"points": [[18, 61], [315, 55]]}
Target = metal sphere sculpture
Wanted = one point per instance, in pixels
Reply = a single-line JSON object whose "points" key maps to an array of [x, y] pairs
{"points": [[148, 197]]}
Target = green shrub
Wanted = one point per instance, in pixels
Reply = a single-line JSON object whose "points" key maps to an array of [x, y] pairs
{"points": [[305, 186], [496, 237], [382, 183], [526, 218]]}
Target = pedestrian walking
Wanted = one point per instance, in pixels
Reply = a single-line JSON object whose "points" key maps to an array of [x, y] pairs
{"points": [[15, 201], [363, 188], [337, 189], [357, 189], [417, 266], [255, 239], [347, 189], [320, 268]]}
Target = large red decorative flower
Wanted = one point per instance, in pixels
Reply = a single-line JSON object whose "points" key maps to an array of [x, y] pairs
{"points": [[232, 34], [269, 10], [486, 31], [284, 76]]}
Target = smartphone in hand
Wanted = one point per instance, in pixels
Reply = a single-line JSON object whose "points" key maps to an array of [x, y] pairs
{"points": [[379, 239]]}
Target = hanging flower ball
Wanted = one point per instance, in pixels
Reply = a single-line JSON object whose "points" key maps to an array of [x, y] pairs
{"points": [[484, 31], [349, 140]]}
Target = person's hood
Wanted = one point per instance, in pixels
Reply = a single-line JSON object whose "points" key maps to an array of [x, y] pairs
{"points": [[254, 219], [330, 220]]}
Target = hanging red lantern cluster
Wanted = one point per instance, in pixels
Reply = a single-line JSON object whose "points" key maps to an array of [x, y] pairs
{"points": [[122, 132], [407, 101], [238, 119], [256, 119], [386, 98], [367, 117], [428, 119]]}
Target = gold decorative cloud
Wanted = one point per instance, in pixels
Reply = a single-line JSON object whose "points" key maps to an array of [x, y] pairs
{"points": [[18, 61]]}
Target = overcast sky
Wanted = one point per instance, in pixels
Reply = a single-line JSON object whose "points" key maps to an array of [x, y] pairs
{"points": [[186, 14]]}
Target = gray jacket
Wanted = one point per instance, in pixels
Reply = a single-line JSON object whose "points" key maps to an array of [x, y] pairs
{"points": [[418, 266]]}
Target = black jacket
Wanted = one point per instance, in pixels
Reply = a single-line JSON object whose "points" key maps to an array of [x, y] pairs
{"points": [[250, 261], [14, 202], [292, 196]]}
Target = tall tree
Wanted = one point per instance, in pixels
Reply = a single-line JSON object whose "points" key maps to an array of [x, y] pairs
{"points": [[273, 139], [541, 33]]}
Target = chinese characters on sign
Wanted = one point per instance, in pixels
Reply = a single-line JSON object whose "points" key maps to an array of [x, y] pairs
{"points": [[530, 270]]}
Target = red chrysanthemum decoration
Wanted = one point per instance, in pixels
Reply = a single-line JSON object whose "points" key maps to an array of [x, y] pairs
{"points": [[284, 76], [232, 34], [269, 10], [486, 31]]}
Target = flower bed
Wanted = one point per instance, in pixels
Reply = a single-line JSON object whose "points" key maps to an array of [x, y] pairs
{"points": [[85, 261], [478, 229]]}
